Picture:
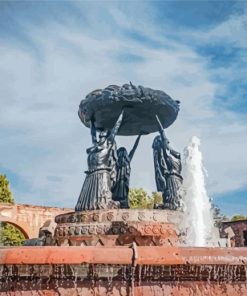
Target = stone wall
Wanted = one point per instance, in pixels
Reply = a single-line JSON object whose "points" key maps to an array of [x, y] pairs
{"points": [[29, 218], [238, 227]]}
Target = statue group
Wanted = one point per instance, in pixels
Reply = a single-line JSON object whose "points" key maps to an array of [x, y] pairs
{"points": [[107, 179]]}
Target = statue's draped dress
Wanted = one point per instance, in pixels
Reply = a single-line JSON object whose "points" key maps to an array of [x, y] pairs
{"points": [[96, 190], [160, 168], [121, 189], [174, 180], [167, 165]]}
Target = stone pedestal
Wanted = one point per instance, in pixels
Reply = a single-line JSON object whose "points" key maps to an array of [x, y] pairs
{"points": [[119, 227]]}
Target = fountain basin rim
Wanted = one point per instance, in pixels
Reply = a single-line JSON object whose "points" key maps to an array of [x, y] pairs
{"points": [[111, 255]]}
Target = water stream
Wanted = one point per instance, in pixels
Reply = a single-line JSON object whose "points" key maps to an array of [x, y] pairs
{"points": [[198, 222]]}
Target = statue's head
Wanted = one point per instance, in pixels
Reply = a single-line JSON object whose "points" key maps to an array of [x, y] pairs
{"points": [[157, 143], [122, 153], [103, 135]]}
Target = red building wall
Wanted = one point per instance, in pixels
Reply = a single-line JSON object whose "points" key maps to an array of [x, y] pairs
{"points": [[240, 231]]}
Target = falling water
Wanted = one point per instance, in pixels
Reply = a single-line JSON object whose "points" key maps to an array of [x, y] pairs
{"points": [[197, 206]]}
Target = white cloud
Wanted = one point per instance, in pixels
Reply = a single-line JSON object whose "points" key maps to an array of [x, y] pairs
{"points": [[44, 141]]}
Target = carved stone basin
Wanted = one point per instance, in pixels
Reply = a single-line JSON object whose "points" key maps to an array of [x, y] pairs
{"points": [[119, 227]]}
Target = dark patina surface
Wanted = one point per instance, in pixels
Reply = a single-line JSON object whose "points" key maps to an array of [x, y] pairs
{"points": [[144, 103]]}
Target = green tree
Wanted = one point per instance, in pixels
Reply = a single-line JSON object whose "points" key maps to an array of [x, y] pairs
{"points": [[218, 217], [238, 217], [157, 197], [5, 193], [9, 234], [139, 199]]}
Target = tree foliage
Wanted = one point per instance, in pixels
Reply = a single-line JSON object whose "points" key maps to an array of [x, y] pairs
{"points": [[157, 197], [218, 217], [139, 199], [5, 193], [10, 235], [238, 217]]}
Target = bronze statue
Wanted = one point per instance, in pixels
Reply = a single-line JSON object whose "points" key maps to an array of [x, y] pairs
{"points": [[107, 180], [96, 191], [120, 190], [168, 168], [160, 167]]}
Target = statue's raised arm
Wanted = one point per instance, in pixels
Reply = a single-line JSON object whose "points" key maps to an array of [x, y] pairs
{"points": [[93, 131], [162, 131], [116, 127], [132, 152]]}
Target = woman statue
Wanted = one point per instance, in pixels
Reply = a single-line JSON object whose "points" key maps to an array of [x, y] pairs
{"points": [[96, 190], [160, 167], [120, 190], [167, 170]]}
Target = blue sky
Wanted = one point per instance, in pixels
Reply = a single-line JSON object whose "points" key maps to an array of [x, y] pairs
{"points": [[54, 53]]}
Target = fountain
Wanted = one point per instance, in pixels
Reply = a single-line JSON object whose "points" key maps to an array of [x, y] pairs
{"points": [[198, 216], [106, 248]]}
